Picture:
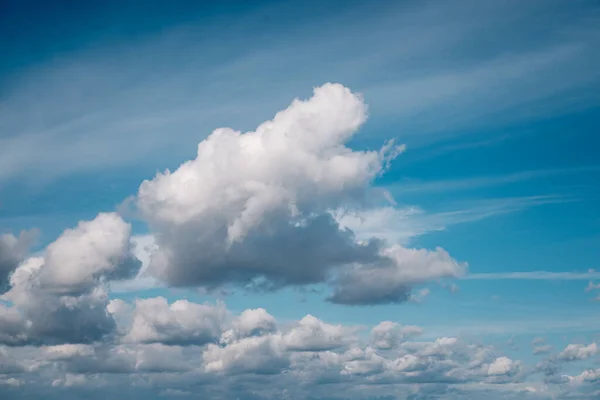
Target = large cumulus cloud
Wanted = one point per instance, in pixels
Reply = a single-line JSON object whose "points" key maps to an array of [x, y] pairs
{"points": [[257, 209]]}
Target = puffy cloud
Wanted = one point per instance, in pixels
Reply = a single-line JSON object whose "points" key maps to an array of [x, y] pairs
{"points": [[46, 317], [390, 280], [96, 249], [575, 352], [68, 351], [257, 354], [258, 357], [288, 164], [312, 334], [259, 209], [59, 297], [13, 250], [587, 376], [388, 334], [363, 362], [163, 358], [254, 322], [104, 358], [441, 347], [182, 322], [503, 366]]}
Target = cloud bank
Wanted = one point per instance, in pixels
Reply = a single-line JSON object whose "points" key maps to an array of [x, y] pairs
{"points": [[207, 350]]}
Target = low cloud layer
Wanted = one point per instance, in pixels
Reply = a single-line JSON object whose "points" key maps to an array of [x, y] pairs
{"points": [[206, 350]]}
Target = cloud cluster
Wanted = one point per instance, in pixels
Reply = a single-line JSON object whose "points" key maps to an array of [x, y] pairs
{"points": [[575, 352], [206, 350], [388, 334], [279, 206], [60, 297], [258, 209], [206, 343], [183, 322], [390, 279], [261, 210]]}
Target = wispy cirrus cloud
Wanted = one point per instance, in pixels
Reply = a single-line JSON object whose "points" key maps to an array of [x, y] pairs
{"points": [[412, 63], [478, 182], [536, 275]]}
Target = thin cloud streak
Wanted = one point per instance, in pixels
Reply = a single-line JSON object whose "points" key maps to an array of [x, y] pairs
{"points": [[55, 127], [485, 181], [535, 275]]}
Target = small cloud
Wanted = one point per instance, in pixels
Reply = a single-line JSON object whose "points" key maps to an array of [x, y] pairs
{"points": [[174, 392], [542, 349]]}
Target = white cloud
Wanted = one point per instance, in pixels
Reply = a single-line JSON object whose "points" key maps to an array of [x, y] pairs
{"points": [[388, 334], [47, 317], [182, 322], [257, 208], [59, 297], [96, 249], [312, 334], [575, 352], [502, 366], [363, 362], [257, 354], [260, 358], [392, 279], [252, 322], [396, 225], [286, 165], [587, 376], [68, 351]]}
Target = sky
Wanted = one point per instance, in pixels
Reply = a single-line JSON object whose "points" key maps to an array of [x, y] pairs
{"points": [[300, 199]]}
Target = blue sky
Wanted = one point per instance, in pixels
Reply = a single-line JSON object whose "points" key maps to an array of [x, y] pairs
{"points": [[497, 104]]}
